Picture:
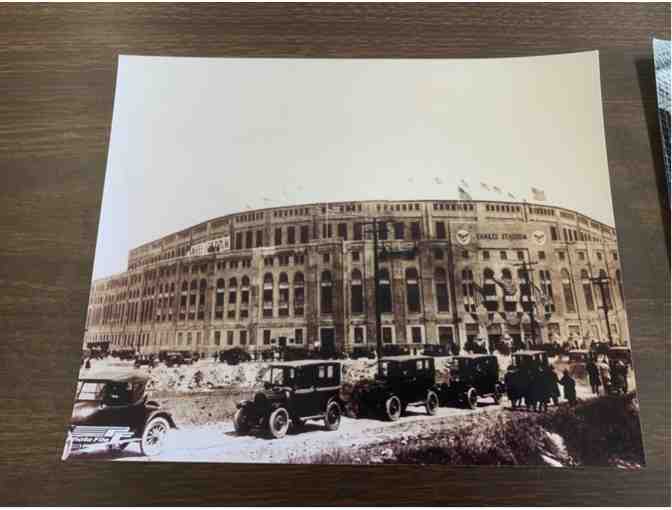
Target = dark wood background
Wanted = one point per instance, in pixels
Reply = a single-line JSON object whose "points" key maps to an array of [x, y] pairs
{"points": [[57, 75]]}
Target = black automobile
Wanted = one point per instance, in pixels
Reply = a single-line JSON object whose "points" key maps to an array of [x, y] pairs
{"points": [[523, 373], [176, 358], [112, 410], [620, 353], [472, 376], [294, 392], [405, 380], [234, 356], [148, 360]]}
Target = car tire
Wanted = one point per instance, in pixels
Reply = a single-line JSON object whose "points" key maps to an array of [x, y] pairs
{"points": [[332, 417], [471, 398], [67, 448], [240, 425], [278, 423], [154, 436], [432, 403], [393, 408]]}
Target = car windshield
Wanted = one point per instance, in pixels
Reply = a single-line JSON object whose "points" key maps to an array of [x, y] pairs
{"points": [[458, 364], [280, 376], [89, 390]]}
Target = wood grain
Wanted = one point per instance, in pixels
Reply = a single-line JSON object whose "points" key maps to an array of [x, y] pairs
{"points": [[57, 75]]}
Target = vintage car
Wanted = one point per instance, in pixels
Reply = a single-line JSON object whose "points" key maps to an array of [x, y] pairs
{"points": [[294, 392], [112, 410], [234, 356], [472, 376], [576, 356], [148, 360], [405, 380], [176, 358], [619, 353], [522, 373]]}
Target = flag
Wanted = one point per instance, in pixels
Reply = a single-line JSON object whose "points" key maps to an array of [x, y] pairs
{"points": [[511, 196], [463, 194], [538, 194], [267, 200], [495, 188], [437, 180], [464, 183], [248, 206], [485, 186]]}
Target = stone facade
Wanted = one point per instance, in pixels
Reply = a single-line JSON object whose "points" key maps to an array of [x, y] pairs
{"points": [[303, 276]]}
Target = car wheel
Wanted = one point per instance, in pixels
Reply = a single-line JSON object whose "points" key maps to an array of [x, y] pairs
{"points": [[67, 448], [278, 422], [154, 436], [471, 398], [393, 408], [332, 418], [240, 424], [432, 403]]}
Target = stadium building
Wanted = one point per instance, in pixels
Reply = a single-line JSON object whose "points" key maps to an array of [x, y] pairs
{"points": [[303, 276]]}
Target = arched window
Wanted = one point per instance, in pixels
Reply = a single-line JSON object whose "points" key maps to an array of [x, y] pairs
{"points": [[547, 290], [326, 293], [510, 304], [619, 280], [233, 291], [385, 291], [267, 295], [185, 286], [468, 290], [299, 296], [441, 285], [244, 295], [202, 287], [570, 305], [607, 290], [587, 290], [219, 299], [490, 299], [356, 292], [412, 290], [527, 296], [283, 295]]}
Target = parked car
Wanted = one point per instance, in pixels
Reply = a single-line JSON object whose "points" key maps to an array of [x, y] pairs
{"points": [[620, 353], [438, 350], [405, 380], [176, 358], [472, 376], [523, 373], [577, 356], [112, 410], [145, 360], [294, 392], [234, 356]]}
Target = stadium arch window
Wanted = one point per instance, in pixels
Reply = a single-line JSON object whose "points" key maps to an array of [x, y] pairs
{"points": [[299, 296], [399, 230], [267, 295], [440, 230], [357, 232], [468, 290], [490, 299], [607, 291], [547, 290], [438, 253], [219, 298], [356, 292], [587, 290], [385, 291], [510, 299], [283, 295], [305, 234], [342, 231], [412, 290], [415, 230], [441, 285], [278, 236], [291, 235], [570, 304], [326, 293]]}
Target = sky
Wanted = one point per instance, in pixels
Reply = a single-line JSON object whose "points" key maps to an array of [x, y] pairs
{"points": [[193, 139]]}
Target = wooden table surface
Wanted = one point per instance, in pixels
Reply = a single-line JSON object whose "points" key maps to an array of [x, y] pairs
{"points": [[57, 75]]}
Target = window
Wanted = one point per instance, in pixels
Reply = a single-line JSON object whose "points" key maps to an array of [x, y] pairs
{"points": [[385, 291], [291, 235], [325, 258], [355, 256], [267, 337], [248, 239], [486, 255], [490, 298], [342, 230], [541, 255], [267, 295], [582, 256], [440, 230], [465, 254], [326, 293], [229, 338], [416, 334], [587, 290], [520, 255], [468, 290], [218, 338], [203, 286], [278, 236], [358, 334], [415, 230], [356, 292], [357, 234], [399, 230], [547, 291], [570, 305], [554, 234], [298, 294], [614, 255], [438, 253], [502, 255], [412, 290], [243, 337], [387, 334], [298, 336], [442, 301], [305, 234], [259, 238], [599, 255], [283, 295], [326, 230], [561, 255], [607, 290]]}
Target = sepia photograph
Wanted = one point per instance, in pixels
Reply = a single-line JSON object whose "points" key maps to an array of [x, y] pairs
{"points": [[357, 261]]}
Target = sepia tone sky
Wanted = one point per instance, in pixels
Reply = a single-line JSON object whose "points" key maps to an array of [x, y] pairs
{"points": [[193, 139]]}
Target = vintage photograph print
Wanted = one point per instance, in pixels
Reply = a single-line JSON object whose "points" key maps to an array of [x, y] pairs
{"points": [[338, 261]]}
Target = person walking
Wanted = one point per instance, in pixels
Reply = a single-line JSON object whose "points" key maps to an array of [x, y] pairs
{"points": [[593, 376], [568, 387], [551, 385]]}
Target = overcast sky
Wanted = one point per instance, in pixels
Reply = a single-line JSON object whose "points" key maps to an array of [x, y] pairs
{"points": [[193, 139]]}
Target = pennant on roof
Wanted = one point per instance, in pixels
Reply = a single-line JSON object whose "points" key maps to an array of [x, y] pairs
{"points": [[464, 183], [496, 189], [463, 194], [437, 180], [538, 194], [485, 186]]}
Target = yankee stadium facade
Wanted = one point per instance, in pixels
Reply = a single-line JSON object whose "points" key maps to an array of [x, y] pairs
{"points": [[302, 276]]}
